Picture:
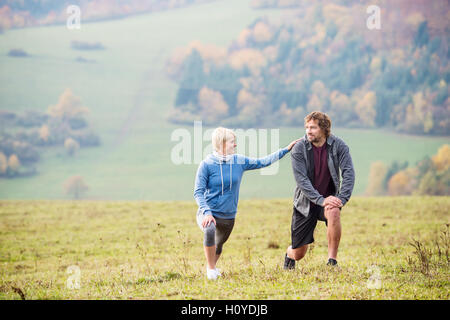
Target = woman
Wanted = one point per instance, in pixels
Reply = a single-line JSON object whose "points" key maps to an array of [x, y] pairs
{"points": [[217, 191]]}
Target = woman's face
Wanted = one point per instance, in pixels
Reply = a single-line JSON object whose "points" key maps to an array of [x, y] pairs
{"points": [[229, 146]]}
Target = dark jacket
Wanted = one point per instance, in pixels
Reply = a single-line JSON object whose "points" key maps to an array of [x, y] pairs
{"points": [[339, 163]]}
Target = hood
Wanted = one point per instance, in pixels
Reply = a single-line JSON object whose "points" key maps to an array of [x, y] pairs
{"points": [[217, 159]]}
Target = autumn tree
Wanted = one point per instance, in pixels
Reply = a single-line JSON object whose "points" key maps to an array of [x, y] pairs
{"points": [[72, 146], [441, 160], [44, 133], [13, 164], [68, 106], [436, 180], [365, 109], [3, 163], [253, 59], [418, 116], [377, 174], [75, 186], [213, 106], [341, 108], [402, 183], [262, 32], [435, 183]]}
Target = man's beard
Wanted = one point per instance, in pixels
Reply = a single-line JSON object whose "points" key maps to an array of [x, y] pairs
{"points": [[313, 139]]}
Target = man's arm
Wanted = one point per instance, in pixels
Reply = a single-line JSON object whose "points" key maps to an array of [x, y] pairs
{"points": [[348, 173]]}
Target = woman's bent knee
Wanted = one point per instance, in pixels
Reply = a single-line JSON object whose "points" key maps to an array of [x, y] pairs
{"points": [[210, 233]]}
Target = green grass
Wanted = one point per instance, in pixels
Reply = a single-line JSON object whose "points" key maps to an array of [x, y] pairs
{"points": [[129, 95], [153, 250]]}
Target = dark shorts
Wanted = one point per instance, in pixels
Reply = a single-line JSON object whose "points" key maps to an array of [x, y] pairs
{"points": [[302, 228]]}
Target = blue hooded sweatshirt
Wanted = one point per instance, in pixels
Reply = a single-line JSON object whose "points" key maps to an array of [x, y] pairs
{"points": [[218, 181]]}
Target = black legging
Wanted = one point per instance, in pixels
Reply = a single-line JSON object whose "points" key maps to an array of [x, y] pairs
{"points": [[216, 234]]}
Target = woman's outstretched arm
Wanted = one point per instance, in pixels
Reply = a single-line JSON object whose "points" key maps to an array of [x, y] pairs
{"points": [[257, 163]]}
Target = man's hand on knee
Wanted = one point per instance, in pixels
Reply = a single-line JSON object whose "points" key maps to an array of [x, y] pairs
{"points": [[332, 201]]}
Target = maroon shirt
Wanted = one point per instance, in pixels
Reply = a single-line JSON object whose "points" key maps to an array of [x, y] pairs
{"points": [[322, 177]]}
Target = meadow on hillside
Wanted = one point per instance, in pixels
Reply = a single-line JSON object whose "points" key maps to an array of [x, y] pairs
{"points": [[391, 248]]}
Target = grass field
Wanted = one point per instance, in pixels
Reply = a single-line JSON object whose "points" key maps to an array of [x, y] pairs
{"points": [[129, 95], [391, 248]]}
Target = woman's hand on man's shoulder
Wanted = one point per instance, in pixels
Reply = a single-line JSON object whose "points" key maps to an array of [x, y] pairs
{"points": [[292, 144]]}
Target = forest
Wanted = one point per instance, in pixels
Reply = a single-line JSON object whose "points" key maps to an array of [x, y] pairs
{"points": [[323, 58]]}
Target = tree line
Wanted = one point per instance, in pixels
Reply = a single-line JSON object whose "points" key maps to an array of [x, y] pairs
{"points": [[430, 176]]}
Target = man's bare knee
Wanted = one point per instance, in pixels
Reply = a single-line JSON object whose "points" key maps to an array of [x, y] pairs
{"points": [[333, 215]]}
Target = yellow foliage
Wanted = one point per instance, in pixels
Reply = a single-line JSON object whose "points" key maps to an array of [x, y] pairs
{"points": [[71, 146], [366, 108], [262, 32], [68, 106], [441, 160], [314, 104], [246, 98], [418, 114], [213, 106], [375, 64], [402, 183], [75, 185], [251, 58], [243, 36], [210, 54], [44, 132], [377, 173], [318, 88], [13, 162], [339, 101], [3, 163], [415, 19]]}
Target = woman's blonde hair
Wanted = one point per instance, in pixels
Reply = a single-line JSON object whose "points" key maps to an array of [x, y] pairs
{"points": [[221, 135]]}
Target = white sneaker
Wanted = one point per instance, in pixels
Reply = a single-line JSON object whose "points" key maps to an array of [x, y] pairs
{"points": [[212, 274], [218, 272]]}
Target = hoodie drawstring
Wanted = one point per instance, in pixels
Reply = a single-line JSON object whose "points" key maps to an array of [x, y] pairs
{"points": [[221, 175], [231, 176]]}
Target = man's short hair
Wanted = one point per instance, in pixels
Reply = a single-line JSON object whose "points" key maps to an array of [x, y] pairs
{"points": [[323, 119]]}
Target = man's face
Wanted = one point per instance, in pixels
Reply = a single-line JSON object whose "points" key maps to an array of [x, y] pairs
{"points": [[313, 131]]}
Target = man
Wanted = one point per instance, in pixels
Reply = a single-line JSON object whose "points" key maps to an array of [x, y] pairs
{"points": [[319, 195]]}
